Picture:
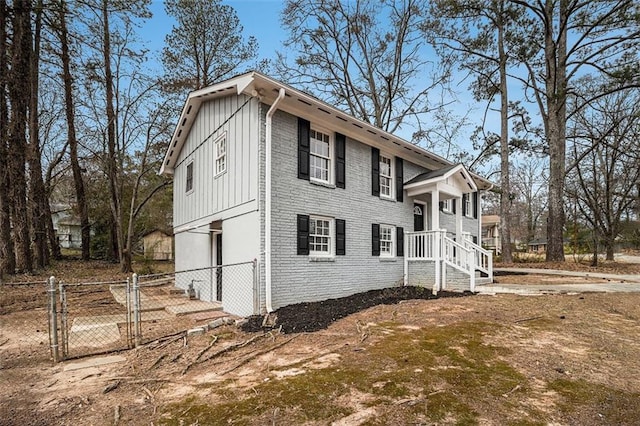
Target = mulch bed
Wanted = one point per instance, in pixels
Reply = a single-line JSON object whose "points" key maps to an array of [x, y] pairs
{"points": [[314, 316]]}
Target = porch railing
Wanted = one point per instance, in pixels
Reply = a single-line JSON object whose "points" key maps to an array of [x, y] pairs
{"points": [[436, 246], [484, 258]]}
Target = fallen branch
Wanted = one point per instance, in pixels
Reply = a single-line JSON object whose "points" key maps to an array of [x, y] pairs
{"points": [[3, 343], [166, 340], [229, 348], [111, 387], [255, 355], [158, 361], [527, 319], [213, 342]]}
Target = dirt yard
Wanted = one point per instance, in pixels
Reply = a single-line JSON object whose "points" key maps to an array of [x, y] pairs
{"points": [[506, 359]]}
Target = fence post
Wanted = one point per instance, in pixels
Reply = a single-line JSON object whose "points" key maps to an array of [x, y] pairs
{"points": [[53, 319], [63, 320], [136, 310], [128, 303], [256, 295]]}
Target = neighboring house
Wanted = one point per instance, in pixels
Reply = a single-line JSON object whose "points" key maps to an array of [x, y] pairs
{"points": [[157, 245], [538, 245], [67, 227], [491, 233], [327, 204]]}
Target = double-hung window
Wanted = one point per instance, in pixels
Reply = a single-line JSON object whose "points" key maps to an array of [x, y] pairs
{"points": [[320, 231], [221, 154], [447, 206], [386, 177], [189, 179], [468, 205], [387, 233], [320, 156]]}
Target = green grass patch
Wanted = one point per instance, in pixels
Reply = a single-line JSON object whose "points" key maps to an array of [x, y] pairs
{"points": [[613, 406], [448, 370]]}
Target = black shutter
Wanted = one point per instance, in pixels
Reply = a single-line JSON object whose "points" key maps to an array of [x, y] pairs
{"points": [[340, 237], [340, 160], [476, 205], [375, 171], [303, 234], [464, 204], [441, 205], [399, 179], [375, 239], [475, 239], [304, 129], [399, 241], [453, 201]]}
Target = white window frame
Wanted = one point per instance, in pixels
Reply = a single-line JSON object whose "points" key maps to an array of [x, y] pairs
{"points": [[390, 242], [447, 206], [330, 236], [329, 159], [468, 207], [220, 162], [189, 189], [390, 177]]}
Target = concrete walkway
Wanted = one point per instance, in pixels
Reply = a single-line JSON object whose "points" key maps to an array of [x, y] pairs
{"points": [[613, 277], [617, 283]]}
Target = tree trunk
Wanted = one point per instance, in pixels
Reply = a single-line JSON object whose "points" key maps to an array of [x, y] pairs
{"points": [[505, 182], [556, 89], [112, 165], [19, 95], [7, 254], [78, 180], [37, 195]]}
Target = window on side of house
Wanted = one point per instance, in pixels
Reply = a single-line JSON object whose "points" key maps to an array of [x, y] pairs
{"points": [[221, 154], [320, 153], [189, 180], [387, 240], [320, 233], [386, 176], [447, 206]]}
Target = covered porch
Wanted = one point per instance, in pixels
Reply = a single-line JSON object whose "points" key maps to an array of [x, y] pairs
{"points": [[442, 249]]}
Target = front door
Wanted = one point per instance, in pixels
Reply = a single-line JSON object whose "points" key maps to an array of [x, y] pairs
{"points": [[219, 268], [418, 217]]}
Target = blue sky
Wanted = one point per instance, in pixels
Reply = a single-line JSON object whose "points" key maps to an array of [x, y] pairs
{"points": [[260, 18]]}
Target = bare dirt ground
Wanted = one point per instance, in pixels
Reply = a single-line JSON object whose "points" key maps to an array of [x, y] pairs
{"points": [[506, 359]]}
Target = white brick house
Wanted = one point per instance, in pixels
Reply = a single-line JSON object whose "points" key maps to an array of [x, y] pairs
{"points": [[327, 204]]}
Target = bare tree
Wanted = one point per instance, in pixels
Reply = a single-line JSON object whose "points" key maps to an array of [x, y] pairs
{"points": [[574, 38], [199, 52], [367, 57], [479, 35], [19, 89], [529, 187], [607, 164], [7, 255]]}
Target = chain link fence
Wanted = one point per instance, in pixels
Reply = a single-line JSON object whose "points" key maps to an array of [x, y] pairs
{"points": [[24, 326], [58, 320]]}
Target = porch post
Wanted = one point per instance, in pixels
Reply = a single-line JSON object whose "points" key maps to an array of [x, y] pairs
{"points": [[458, 202], [435, 210], [406, 261]]}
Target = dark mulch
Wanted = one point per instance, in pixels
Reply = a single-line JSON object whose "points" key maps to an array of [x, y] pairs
{"points": [[314, 316]]}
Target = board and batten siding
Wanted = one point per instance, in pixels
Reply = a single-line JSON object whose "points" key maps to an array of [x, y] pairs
{"points": [[217, 197]]}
